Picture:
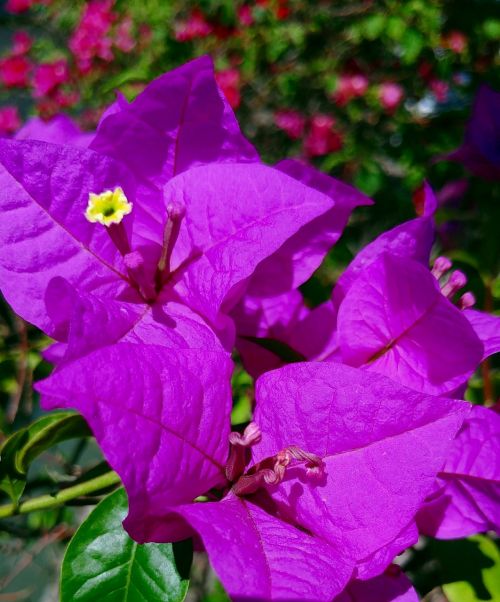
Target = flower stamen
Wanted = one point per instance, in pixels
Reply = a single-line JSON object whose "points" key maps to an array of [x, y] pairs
{"points": [[108, 207]]}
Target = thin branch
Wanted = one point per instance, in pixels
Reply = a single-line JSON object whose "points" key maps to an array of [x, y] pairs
{"points": [[22, 371], [53, 501]]}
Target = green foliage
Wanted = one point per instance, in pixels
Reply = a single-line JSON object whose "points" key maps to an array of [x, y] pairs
{"points": [[467, 569], [21, 448], [470, 589], [103, 563], [284, 61]]}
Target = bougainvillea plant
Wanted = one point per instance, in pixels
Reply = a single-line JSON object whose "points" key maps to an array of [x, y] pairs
{"points": [[152, 248]]}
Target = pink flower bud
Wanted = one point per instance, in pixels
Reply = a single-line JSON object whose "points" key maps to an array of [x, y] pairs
{"points": [[467, 300], [456, 281], [441, 266]]}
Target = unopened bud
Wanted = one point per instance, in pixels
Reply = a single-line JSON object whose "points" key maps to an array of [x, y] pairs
{"points": [[467, 300], [441, 266], [455, 282]]}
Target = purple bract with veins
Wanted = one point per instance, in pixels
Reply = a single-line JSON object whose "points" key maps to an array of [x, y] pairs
{"points": [[287, 515], [388, 313], [312, 333], [395, 320], [155, 233], [468, 488]]}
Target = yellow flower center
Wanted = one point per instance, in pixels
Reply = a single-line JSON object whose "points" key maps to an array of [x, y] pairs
{"points": [[108, 207]]}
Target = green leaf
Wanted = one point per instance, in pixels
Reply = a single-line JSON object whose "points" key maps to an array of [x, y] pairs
{"points": [[413, 43], [491, 28], [374, 25], [9, 481], [471, 590], [47, 432], [103, 563], [21, 448], [395, 28]]}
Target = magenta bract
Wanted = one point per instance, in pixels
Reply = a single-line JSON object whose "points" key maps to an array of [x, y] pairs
{"points": [[207, 215], [329, 434]]}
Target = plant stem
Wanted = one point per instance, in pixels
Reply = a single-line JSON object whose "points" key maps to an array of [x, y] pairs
{"points": [[70, 493]]}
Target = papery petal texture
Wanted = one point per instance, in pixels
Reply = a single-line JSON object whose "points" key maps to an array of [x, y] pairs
{"points": [[236, 216], [302, 254], [468, 500], [258, 557], [58, 130], [372, 565], [161, 419], [373, 435], [412, 239], [43, 194], [392, 586], [384, 588], [395, 320], [487, 328], [179, 121], [86, 322]]}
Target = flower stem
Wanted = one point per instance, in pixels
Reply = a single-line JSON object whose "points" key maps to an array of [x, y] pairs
{"points": [[65, 495]]}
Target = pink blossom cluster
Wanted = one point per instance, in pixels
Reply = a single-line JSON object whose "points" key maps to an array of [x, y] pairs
{"points": [[229, 81], [319, 134], [48, 81], [9, 120], [455, 40], [21, 6], [437, 86], [197, 25], [95, 36], [355, 85]]}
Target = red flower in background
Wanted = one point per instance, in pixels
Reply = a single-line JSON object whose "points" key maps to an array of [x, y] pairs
{"points": [[66, 98], [22, 43], [291, 122], [456, 41], [14, 71], [91, 38], [196, 26], [282, 11], [390, 95], [228, 81], [322, 137], [21, 6], [18, 6], [124, 39], [9, 120], [440, 89], [245, 16], [48, 76], [350, 86]]}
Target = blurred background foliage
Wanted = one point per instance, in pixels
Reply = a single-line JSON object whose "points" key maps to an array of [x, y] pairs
{"points": [[372, 92]]}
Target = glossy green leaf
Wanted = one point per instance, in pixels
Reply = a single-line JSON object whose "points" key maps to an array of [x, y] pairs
{"points": [[21, 448], [474, 590], [103, 563], [47, 432], [10, 482]]}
